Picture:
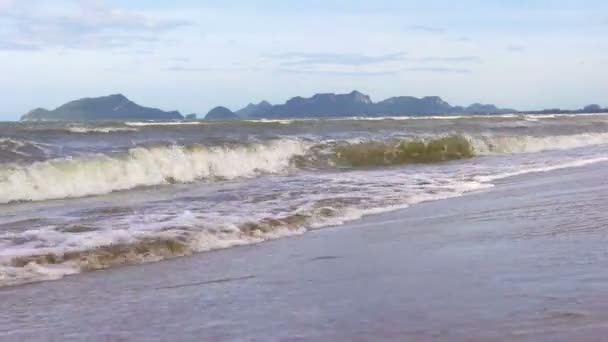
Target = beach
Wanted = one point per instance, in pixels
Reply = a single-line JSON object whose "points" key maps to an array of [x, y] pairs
{"points": [[524, 260], [303, 171]]}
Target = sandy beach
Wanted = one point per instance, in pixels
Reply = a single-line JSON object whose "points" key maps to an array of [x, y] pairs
{"points": [[522, 261]]}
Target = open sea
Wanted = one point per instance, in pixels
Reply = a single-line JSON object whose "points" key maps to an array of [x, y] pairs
{"points": [[77, 197]]}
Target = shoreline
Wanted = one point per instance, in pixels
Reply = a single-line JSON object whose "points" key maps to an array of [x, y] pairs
{"points": [[439, 270], [172, 249]]}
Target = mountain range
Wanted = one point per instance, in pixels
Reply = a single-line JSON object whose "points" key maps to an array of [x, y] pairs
{"points": [[358, 104], [119, 108]]}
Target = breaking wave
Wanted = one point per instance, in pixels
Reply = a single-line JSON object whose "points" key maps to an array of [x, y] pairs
{"points": [[167, 123], [102, 173], [51, 253], [405, 151], [101, 129], [453, 147], [530, 144]]}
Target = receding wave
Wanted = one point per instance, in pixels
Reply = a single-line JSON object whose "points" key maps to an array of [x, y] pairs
{"points": [[51, 253], [56, 263]]}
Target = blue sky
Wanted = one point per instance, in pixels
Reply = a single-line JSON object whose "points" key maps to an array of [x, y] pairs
{"points": [[192, 55]]}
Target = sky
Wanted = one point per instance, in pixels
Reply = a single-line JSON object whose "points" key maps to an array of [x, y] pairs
{"points": [[194, 55]]}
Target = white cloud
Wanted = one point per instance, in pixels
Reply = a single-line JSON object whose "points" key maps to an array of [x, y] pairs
{"points": [[30, 26], [351, 59]]}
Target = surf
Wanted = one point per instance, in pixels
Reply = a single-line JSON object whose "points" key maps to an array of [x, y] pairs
{"points": [[99, 174]]}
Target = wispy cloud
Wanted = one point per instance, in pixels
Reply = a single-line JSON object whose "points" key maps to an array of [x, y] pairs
{"points": [[348, 59], [88, 25], [378, 72], [362, 73], [425, 29], [440, 70], [181, 68], [456, 59], [515, 48], [16, 46], [119, 70], [368, 65], [211, 69]]}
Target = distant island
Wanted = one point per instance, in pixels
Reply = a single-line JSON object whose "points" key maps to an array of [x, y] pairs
{"points": [[351, 104], [119, 108], [107, 108], [356, 103]]}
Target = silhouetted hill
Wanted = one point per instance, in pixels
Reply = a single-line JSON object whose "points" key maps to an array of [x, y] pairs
{"points": [[406, 105], [321, 105], [356, 103], [220, 113], [107, 108], [478, 108], [254, 109], [589, 109]]}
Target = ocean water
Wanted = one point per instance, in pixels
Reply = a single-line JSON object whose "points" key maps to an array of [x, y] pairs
{"points": [[80, 197]]}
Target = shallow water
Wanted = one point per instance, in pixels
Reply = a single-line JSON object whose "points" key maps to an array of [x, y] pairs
{"points": [[78, 197], [522, 261]]}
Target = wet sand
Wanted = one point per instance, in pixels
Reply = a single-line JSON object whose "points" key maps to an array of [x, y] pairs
{"points": [[525, 260]]}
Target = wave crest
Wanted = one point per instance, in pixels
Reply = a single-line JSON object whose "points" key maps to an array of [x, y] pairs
{"points": [[98, 129], [148, 166], [101, 174], [531, 144], [405, 151]]}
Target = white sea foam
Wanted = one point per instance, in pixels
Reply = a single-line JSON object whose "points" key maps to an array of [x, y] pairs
{"points": [[75, 253], [325, 200], [527, 117], [531, 144], [101, 174], [428, 117], [537, 169], [102, 129], [168, 123], [153, 237], [279, 121]]}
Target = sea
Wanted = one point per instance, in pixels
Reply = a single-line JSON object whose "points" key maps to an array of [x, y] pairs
{"points": [[78, 197]]}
